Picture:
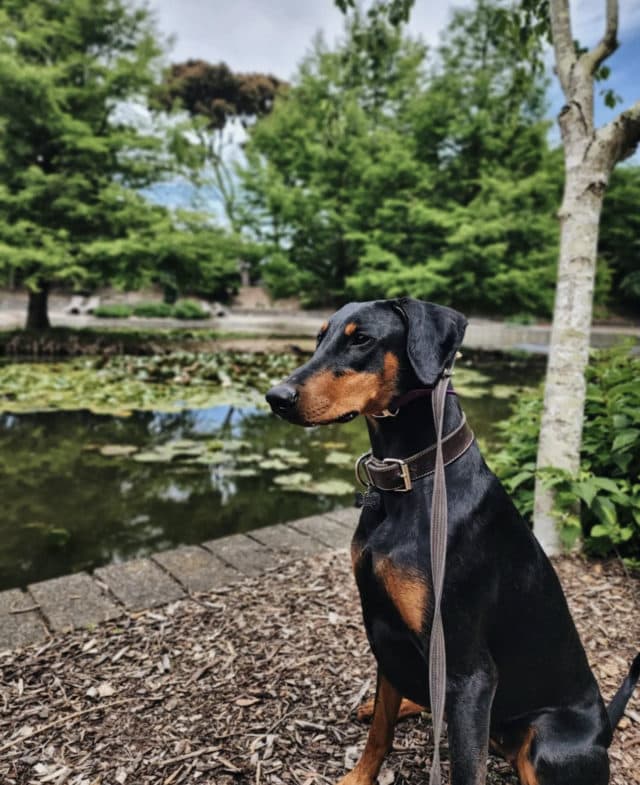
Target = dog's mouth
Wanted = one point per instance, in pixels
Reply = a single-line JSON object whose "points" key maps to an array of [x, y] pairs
{"points": [[347, 417], [334, 421]]}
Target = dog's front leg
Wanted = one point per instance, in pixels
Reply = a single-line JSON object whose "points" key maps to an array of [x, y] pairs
{"points": [[385, 712], [469, 700]]}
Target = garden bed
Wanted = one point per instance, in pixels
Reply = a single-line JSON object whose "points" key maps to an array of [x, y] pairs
{"points": [[255, 684]]}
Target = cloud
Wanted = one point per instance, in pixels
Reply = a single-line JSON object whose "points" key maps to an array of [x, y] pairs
{"points": [[268, 35]]}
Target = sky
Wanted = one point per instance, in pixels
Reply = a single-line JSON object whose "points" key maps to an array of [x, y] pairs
{"points": [[272, 36]]}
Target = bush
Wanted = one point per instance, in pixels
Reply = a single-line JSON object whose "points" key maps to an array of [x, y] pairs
{"points": [[607, 484], [115, 311], [153, 310], [189, 309]]}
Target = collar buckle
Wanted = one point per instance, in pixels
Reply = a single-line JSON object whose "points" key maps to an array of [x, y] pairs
{"points": [[404, 472]]}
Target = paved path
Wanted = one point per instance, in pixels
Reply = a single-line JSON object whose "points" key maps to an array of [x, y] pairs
{"points": [[481, 333], [83, 600]]}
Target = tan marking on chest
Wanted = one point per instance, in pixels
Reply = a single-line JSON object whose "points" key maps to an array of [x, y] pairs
{"points": [[408, 592]]}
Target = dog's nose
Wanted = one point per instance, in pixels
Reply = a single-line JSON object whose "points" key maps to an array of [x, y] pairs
{"points": [[282, 398]]}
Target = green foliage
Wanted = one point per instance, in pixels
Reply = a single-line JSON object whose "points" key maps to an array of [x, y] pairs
{"points": [[189, 309], [73, 157], [153, 310], [67, 154], [396, 11], [403, 173], [619, 243], [184, 309], [115, 311], [607, 485]]}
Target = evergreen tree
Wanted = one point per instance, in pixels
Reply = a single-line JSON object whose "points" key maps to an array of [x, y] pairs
{"points": [[403, 174], [71, 75], [619, 241]]}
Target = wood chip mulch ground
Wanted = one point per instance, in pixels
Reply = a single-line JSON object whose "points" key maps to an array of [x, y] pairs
{"points": [[256, 684]]}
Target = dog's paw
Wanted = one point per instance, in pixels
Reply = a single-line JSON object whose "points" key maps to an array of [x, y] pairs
{"points": [[365, 711], [356, 778]]}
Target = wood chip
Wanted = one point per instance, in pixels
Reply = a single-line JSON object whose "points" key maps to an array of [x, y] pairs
{"points": [[256, 685]]}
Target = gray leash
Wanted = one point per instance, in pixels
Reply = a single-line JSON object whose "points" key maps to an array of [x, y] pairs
{"points": [[437, 652]]}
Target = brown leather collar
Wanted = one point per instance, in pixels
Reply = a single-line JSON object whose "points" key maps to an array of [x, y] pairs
{"points": [[399, 474]]}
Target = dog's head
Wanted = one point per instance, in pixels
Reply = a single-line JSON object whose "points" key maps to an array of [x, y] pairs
{"points": [[367, 355]]}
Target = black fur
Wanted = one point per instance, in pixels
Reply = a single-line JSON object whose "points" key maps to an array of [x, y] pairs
{"points": [[517, 670]]}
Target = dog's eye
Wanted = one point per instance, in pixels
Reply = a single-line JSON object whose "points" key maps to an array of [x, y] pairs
{"points": [[319, 338], [361, 338]]}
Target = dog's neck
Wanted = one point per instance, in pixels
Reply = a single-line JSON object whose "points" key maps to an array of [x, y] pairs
{"points": [[412, 429]]}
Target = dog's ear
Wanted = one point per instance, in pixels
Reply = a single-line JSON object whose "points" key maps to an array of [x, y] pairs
{"points": [[434, 334]]}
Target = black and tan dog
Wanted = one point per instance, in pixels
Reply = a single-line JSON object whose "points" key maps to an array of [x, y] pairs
{"points": [[517, 674]]}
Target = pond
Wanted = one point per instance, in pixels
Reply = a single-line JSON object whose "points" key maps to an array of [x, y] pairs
{"points": [[81, 488]]}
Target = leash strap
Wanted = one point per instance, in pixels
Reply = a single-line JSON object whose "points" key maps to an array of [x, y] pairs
{"points": [[437, 652]]}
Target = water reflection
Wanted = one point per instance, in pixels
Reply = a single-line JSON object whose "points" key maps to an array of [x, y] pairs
{"points": [[66, 507]]}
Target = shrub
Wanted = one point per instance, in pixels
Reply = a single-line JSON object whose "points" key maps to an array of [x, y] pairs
{"points": [[189, 309], [607, 485], [153, 310], [115, 311], [524, 319]]}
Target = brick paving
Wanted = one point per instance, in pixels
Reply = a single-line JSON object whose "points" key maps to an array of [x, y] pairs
{"points": [[84, 600]]}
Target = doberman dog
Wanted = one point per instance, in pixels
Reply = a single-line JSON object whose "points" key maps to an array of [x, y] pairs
{"points": [[518, 680]]}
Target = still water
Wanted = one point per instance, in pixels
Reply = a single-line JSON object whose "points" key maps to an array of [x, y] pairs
{"points": [[68, 506]]}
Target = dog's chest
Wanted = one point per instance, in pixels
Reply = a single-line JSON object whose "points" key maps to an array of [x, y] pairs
{"points": [[395, 607], [389, 577]]}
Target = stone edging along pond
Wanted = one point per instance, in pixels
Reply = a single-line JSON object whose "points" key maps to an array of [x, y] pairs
{"points": [[83, 600]]}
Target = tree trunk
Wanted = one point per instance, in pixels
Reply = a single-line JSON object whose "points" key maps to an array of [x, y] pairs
{"points": [[590, 155], [562, 418], [37, 310]]}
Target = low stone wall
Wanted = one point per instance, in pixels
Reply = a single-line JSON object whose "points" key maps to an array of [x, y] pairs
{"points": [[83, 600]]}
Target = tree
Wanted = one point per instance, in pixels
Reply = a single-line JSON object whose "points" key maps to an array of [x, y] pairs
{"points": [[181, 251], [619, 242], [590, 155], [316, 199], [71, 75], [479, 131], [215, 98], [408, 173]]}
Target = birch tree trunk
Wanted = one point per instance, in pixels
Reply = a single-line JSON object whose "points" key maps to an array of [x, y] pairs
{"points": [[590, 155]]}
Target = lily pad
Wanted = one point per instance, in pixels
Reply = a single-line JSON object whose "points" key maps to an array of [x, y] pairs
{"points": [[116, 450], [241, 472], [331, 488], [294, 480], [503, 391], [466, 376], [251, 457], [471, 392], [339, 458], [283, 452], [235, 445], [296, 461], [151, 457], [273, 464]]}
